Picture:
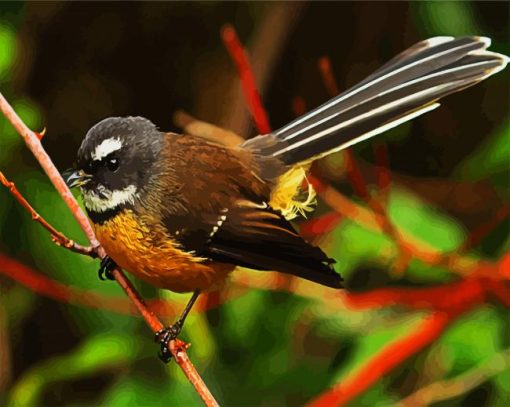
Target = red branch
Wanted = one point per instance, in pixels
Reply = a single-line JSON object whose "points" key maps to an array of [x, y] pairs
{"points": [[34, 144], [354, 175], [298, 106], [504, 266], [389, 357], [328, 78], [320, 225], [447, 301], [251, 94], [500, 291], [59, 238], [442, 297], [479, 233], [178, 349], [382, 169], [351, 167], [42, 285]]}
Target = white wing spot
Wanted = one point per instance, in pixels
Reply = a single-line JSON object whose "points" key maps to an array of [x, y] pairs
{"points": [[106, 147], [214, 230], [222, 219]]}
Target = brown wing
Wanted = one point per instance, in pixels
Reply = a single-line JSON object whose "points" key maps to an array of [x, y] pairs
{"points": [[214, 205], [198, 181], [255, 236]]}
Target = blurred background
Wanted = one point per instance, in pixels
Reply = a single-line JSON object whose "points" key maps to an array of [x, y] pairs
{"points": [[68, 339]]}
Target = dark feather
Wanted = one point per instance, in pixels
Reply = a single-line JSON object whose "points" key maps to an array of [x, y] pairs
{"points": [[261, 239], [218, 213], [403, 88]]}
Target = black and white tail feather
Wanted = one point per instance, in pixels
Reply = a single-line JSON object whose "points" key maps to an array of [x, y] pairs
{"points": [[407, 86]]}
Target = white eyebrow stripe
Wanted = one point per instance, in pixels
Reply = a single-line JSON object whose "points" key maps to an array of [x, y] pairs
{"points": [[106, 147]]}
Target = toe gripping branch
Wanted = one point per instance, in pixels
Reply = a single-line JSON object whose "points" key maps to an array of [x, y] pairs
{"points": [[164, 336], [106, 268]]}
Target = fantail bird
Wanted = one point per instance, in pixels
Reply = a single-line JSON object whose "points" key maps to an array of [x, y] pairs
{"points": [[181, 213]]}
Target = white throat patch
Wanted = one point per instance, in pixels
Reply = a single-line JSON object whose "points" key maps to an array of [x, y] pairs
{"points": [[106, 147], [95, 203]]}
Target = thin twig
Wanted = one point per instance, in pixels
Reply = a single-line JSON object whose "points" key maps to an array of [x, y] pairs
{"points": [[298, 106], [58, 237], [330, 84], [267, 42], [34, 144], [251, 94], [351, 166], [382, 171], [442, 297], [387, 359], [480, 232], [450, 388], [208, 131], [421, 250], [359, 184], [178, 349], [405, 254], [40, 284]]}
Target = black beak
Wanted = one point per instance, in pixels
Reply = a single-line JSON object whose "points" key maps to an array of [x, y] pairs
{"points": [[74, 178]]}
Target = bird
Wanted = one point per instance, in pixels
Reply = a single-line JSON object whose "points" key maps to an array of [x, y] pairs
{"points": [[181, 212]]}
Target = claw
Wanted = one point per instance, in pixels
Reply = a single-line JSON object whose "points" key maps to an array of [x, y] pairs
{"points": [[163, 337], [106, 268]]}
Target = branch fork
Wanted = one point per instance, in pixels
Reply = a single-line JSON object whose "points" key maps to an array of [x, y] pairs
{"points": [[33, 142]]}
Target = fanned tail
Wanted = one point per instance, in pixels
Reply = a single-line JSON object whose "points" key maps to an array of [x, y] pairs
{"points": [[407, 86]]}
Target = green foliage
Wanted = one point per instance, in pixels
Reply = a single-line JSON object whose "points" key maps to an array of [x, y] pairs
{"points": [[358, 246], [263, 348], [376, 338], [472, 340], [423, 221], [8, 47], [446, 17], [97, 353], [490, 160]]}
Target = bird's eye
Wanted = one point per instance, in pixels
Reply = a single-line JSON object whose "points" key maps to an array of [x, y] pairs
{"points": [[112, 164]]}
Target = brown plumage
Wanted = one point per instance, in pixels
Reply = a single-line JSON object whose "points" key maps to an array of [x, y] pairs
{"points": [[172, 236], [181, 213]]}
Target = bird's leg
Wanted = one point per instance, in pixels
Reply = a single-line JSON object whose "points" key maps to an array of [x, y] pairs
{"points": [[165, 335], [106, 268]]}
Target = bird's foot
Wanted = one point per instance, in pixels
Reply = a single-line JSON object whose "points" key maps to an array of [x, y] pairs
{"points": [[164, 336], [106, 268]]}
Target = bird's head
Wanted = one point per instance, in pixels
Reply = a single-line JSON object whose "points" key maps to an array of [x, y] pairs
{"points": [[114, 162]]}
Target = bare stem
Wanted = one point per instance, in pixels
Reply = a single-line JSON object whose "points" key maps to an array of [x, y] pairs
{"points": [[450, 388], [58, 237], [34, 144]]}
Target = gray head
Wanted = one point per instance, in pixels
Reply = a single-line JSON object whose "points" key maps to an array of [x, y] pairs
{"points": [[114, 162]]}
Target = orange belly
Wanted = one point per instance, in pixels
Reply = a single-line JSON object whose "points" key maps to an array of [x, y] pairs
{"points": [[151, 255]]}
